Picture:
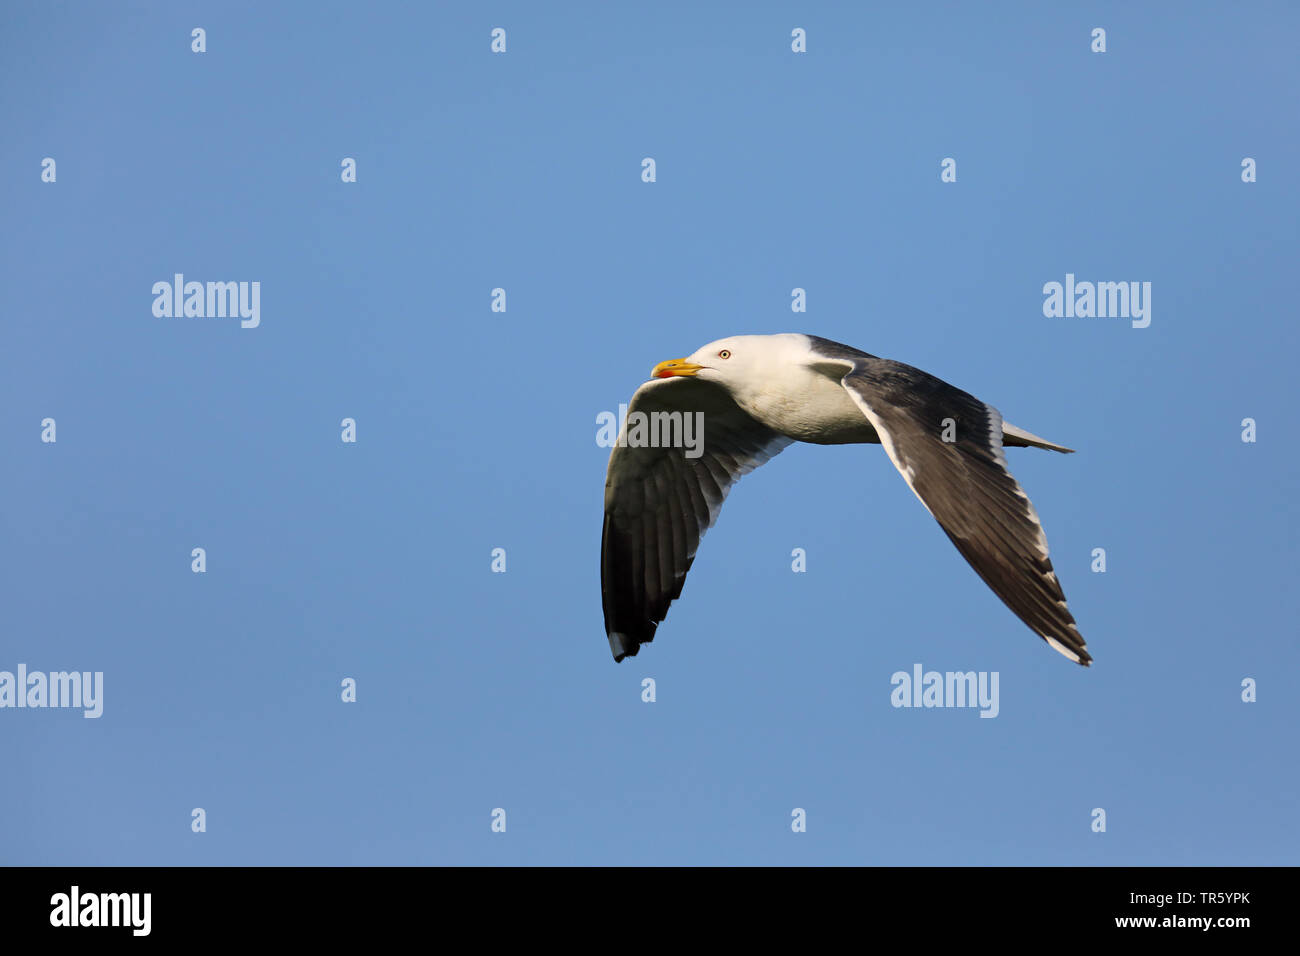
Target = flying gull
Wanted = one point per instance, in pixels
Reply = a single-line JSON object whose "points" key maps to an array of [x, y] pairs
{"points": [[757, 394]]}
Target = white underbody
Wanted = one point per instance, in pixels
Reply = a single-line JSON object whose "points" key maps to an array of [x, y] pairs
{"points": [[807, 405]]}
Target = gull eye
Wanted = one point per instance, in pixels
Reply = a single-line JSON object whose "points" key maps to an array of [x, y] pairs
{"points": [[725, 353]]}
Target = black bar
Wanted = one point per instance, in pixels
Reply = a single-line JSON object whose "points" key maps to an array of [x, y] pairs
{"points": [[331, 905]]}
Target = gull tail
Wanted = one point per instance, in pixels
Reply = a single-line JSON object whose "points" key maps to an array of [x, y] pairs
{"points": [[1014, 437]]}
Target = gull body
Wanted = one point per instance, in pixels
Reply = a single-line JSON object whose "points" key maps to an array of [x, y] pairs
{"points": [[759, 394]]}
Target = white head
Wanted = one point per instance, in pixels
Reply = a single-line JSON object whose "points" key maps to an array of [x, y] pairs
{"points": [[738, 359], [782, 382]]}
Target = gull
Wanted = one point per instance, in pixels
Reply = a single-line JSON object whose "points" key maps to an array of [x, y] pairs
{"points": [[758, 394]]}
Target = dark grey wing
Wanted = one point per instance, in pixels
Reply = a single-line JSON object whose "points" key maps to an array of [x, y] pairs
{"points": [[659, 501], [964, 483]]}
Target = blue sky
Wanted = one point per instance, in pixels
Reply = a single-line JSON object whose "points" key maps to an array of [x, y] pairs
{"points": [[476, 430]]}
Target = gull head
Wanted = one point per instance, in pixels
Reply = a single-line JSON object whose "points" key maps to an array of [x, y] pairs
{"points": [[735, 359]]}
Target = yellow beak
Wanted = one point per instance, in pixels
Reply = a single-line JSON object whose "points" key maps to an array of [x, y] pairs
{"points": [[674, 367]]}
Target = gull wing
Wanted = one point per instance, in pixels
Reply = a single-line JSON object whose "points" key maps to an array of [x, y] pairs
{"points": [[659, 501], [964, 483]]}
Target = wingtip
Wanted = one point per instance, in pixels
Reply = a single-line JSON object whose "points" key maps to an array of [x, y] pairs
{"points": [[622, 646], [1080, 655]]}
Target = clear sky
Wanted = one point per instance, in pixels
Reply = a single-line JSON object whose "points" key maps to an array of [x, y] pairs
{"points": [[476, 430]]}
